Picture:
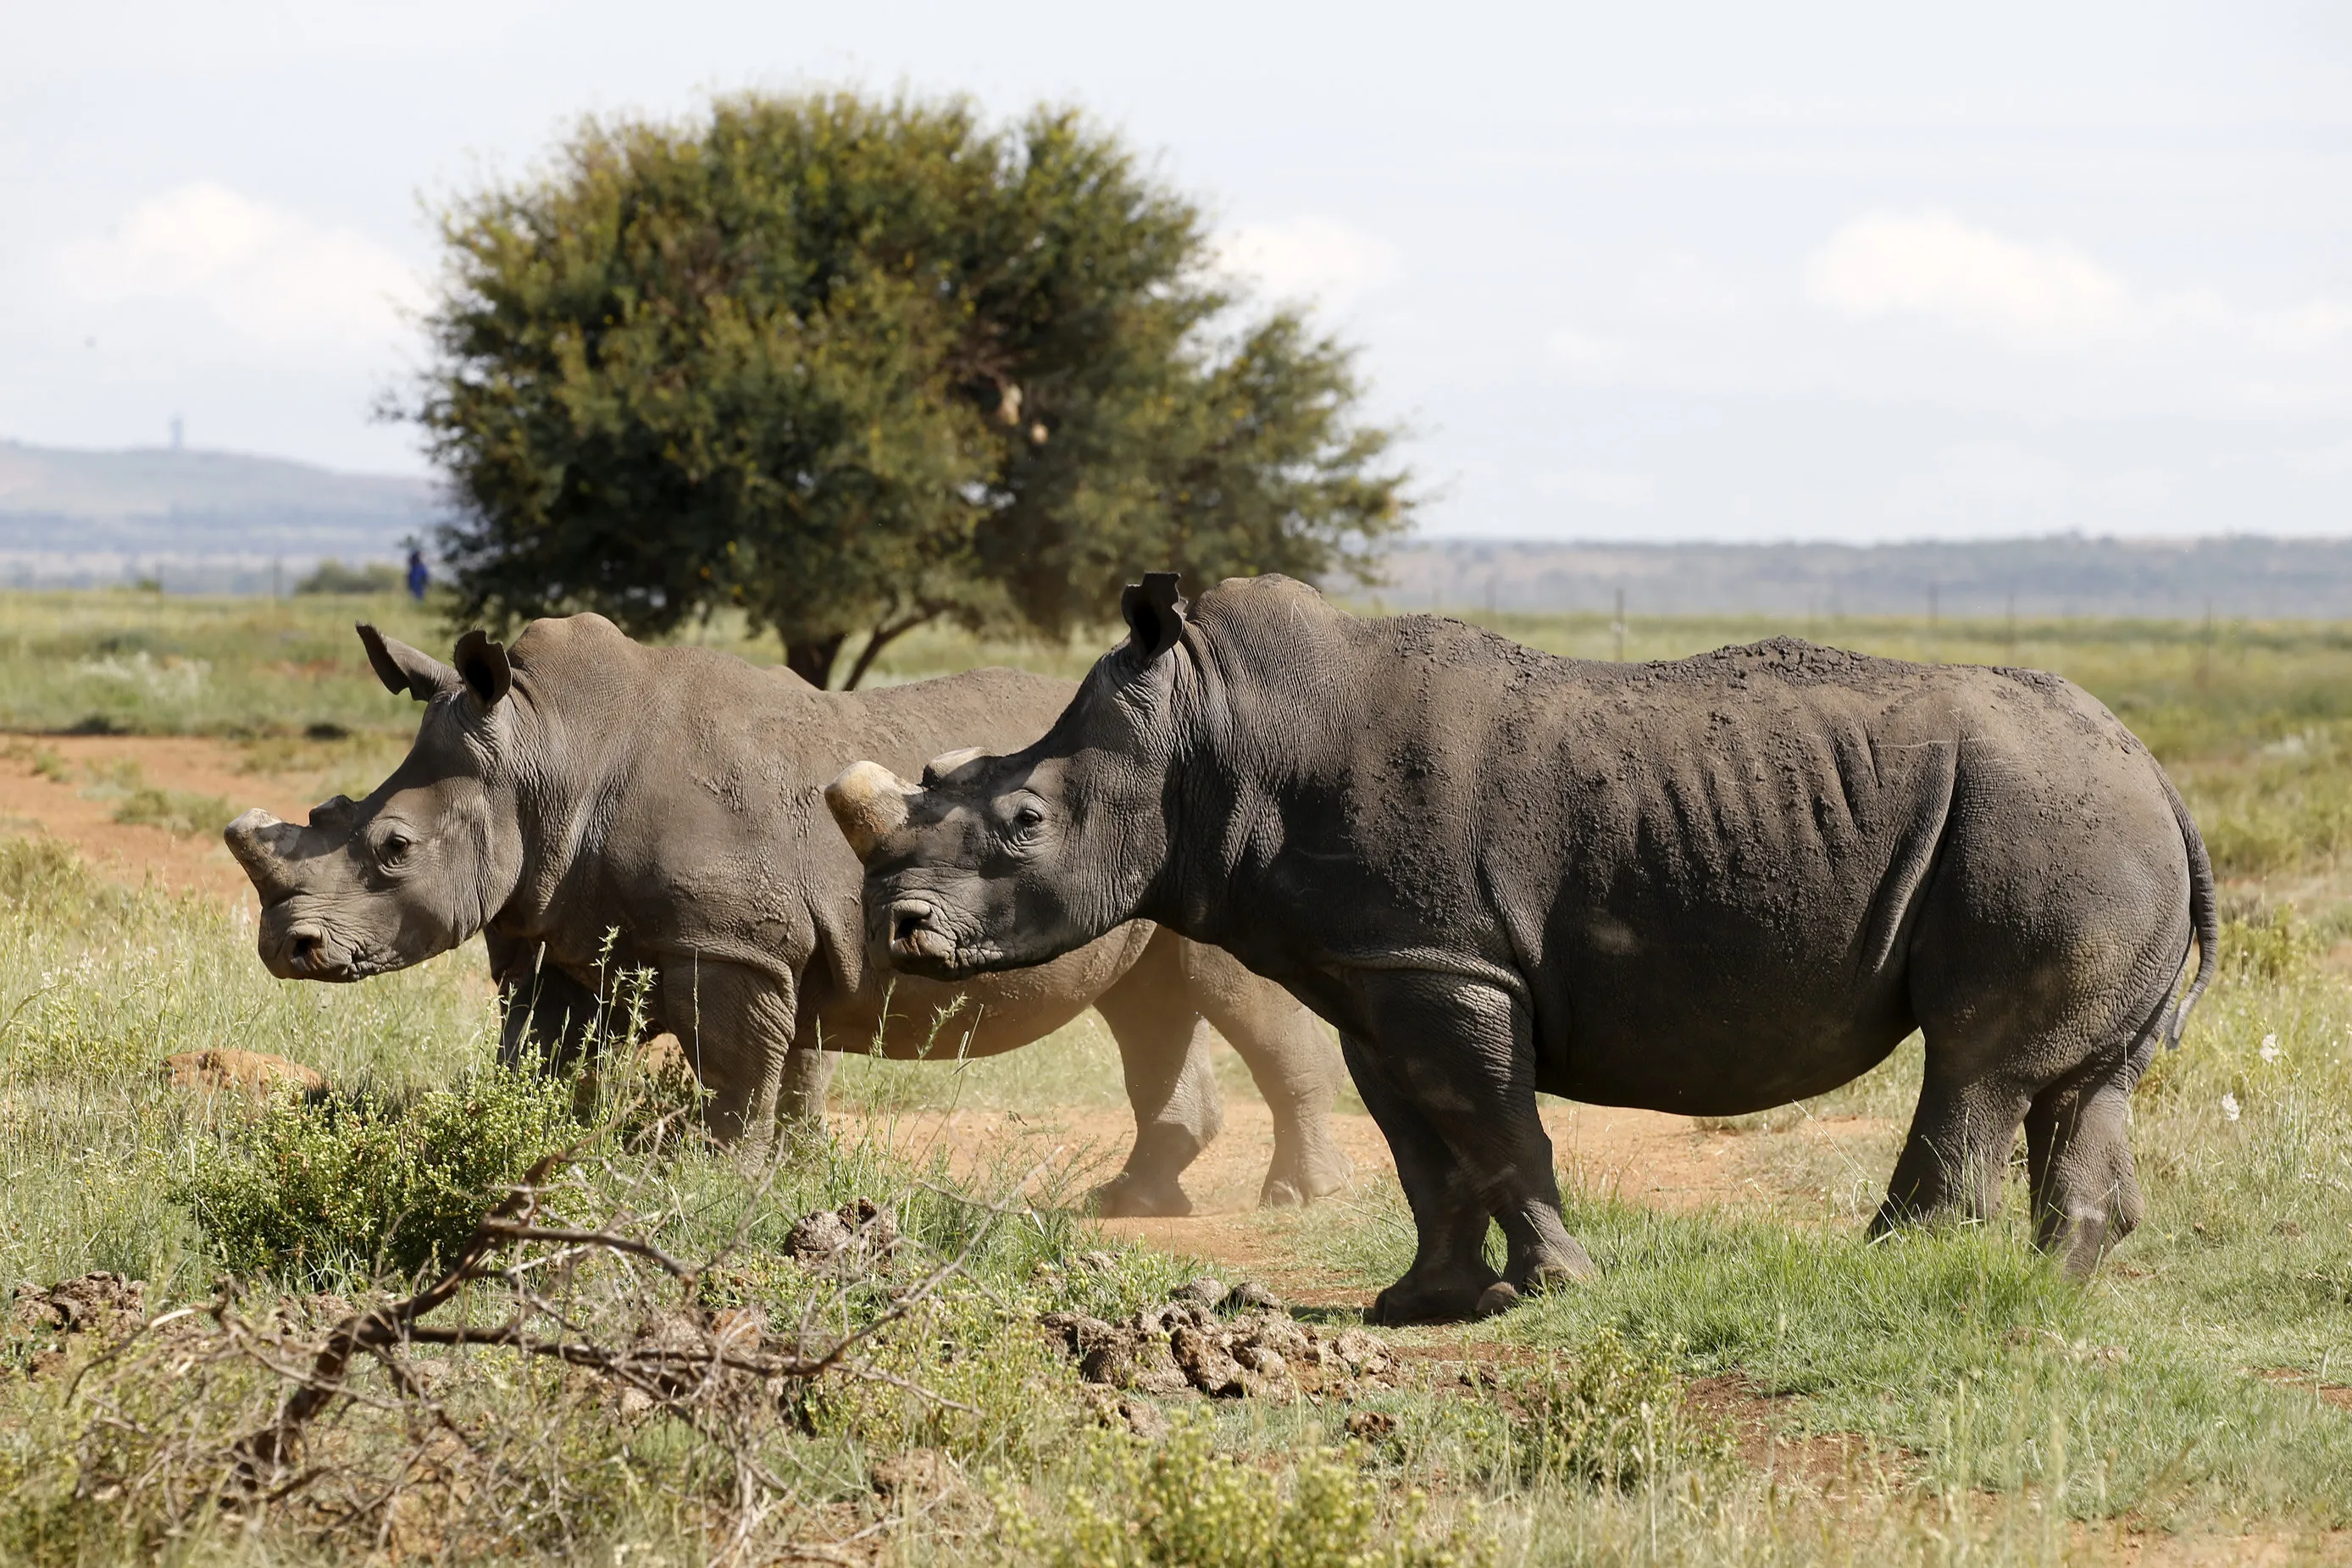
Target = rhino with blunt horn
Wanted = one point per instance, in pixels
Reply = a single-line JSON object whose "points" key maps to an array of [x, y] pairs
{"points": [[1706, 886], [586, 784]]}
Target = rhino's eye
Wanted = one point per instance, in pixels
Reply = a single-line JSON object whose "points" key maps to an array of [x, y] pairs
{"points": [[1027, 821], [394, 847]]}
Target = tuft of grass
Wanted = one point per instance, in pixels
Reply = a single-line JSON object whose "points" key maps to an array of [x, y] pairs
{"points": [[1183, 1504]]}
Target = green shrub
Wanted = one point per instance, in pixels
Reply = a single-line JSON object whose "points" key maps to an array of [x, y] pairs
{"points": [[1612, 1416], [312, 1189], [1179, 1503], [333, 577]]}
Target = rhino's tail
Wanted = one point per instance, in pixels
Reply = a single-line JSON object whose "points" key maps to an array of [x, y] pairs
{"points": [[2204, 915]]}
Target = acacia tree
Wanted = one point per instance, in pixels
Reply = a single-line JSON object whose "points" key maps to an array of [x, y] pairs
{"points": [[854, 366]]}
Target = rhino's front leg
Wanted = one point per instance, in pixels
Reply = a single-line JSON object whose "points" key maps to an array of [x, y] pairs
{"points": [[735, 1025], [1456, 1060]]}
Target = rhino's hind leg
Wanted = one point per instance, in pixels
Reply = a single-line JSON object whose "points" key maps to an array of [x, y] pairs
{"points": [[1951, 1163], [1292, 1063], [1163, 1051], [2086, 1195]]}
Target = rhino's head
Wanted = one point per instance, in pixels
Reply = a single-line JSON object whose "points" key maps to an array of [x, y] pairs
{"points": [[998, 862], [422, 864]]}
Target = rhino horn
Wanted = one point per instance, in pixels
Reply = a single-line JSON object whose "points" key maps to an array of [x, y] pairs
{"points": [[259, 842], [946, 762], [869, 802]]}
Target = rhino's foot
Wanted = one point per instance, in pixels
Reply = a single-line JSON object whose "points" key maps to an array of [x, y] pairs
{"points": [[2079, 1240], [1296, 1183], [1561, 1266], [1426, 1301], [1129, 1196]]}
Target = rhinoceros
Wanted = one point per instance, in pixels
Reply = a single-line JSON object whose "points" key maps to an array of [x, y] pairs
{"points": [[1708, 886], [585, 784]]}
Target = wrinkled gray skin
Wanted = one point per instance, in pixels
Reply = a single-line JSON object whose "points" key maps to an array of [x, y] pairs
{"points": [[586, 782], [1707, 886]]}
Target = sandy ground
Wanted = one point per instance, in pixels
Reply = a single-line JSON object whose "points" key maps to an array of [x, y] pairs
{"points": [[31, 801]]}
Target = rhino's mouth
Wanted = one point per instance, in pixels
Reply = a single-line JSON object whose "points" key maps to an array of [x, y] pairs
{"points": [[309, 950], [923, 942]]}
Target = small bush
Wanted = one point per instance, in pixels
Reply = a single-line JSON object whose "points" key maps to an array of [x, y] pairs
{"points": [[334, 576], [1180, 1504], [1614, 1417], [312, 1189]]}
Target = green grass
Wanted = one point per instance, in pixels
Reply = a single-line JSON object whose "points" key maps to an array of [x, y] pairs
{"points": [[1985, 1409]]}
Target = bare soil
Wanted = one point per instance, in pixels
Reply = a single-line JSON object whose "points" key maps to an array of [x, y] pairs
{"points": [[32, 801]]}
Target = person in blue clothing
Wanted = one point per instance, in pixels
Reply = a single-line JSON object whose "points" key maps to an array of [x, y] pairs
{"points": [[419, 577]]}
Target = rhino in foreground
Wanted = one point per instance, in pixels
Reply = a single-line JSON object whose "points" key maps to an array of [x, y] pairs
{"points": [[1705, 886], [585, 783]]}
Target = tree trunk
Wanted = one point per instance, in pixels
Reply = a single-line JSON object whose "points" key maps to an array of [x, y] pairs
{"points": [[813, 662]]}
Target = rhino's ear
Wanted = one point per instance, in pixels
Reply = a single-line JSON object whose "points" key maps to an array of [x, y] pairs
{"points": [[482, 666], [402, 668], [1154, 611]]}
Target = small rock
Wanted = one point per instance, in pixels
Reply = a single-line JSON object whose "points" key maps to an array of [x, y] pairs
{"points": [[825, 1234], [1250, 1293], [739, 1330], [1206, 1365], [246, 1072], [1136, 1415], [1370, 1425], [1366, 1355], [817, 1237], [915, 1475], [1264, 1361], [1101, 1262], [1206, 1292]]}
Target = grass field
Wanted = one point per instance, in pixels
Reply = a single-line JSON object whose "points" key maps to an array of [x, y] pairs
{"points": [[1747, 1381]]}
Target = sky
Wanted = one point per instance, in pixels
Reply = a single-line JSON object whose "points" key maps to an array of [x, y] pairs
{"points": [[1851, 272]]}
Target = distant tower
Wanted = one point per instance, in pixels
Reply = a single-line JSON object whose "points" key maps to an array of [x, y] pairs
{"points": [[178, 430]]}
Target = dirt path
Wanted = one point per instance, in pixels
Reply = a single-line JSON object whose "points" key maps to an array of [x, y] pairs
{"points": [[1643, 1158], [35, 799]]}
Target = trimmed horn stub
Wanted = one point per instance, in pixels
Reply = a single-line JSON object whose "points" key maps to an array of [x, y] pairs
{"points": [[869, 804], [946, 762]]}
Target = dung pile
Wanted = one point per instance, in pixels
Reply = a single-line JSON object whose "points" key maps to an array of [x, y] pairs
{"points": [[41, 1324], [1185, 1346]]}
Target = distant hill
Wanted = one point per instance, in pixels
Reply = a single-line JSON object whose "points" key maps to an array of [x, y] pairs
{"points": [[220, 521], [211, 520], [2241, 575]]}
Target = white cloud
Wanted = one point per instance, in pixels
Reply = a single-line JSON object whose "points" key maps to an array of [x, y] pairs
{"points": [[1934, 266], [1586, 354], [1310, 257], [262, 271]]}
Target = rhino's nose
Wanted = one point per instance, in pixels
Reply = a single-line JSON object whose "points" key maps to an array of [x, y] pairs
{"points": [[912, 933], [302, 946]]}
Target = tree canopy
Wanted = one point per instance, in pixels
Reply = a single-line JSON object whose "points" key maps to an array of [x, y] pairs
{"points": [[853, 365]]}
